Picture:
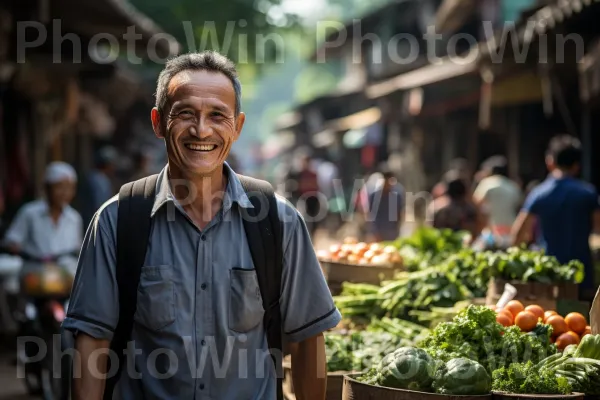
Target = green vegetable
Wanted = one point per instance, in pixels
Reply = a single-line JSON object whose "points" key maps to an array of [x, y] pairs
{"points": [[526, 378], [407, 368], [475, 334], [461, 376], [589, 347]]}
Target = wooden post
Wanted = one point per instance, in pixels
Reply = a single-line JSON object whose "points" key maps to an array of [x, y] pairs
{"points": [[586, 141]]}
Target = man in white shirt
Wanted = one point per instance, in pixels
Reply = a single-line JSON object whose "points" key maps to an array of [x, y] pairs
{"points": [[498, 197], [49, 227]]}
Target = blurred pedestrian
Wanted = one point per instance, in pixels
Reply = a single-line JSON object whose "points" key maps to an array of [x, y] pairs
{"points": [[567, 209], [385, 208], [141, 165], [453, 210], [97, 187], [498, 198], [49, 226], [305, 192]]}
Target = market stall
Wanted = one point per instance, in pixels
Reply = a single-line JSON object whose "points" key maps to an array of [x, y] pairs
{"points": [[440, 319]]}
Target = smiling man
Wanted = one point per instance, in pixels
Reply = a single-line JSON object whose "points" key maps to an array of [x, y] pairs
{"points": [[199, 321]]}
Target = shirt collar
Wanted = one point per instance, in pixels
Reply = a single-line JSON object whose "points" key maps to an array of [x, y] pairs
{"points": [[234, 193]]}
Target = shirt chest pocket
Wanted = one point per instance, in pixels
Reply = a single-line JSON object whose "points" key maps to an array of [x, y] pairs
{"points": [[156, 297], [245, 302]]}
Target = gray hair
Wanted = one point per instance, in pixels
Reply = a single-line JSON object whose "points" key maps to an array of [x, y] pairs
{"points": [[205, 61]]}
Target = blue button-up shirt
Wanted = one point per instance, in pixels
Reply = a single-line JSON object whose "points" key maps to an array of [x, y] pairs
{"points": [[198, 326]]}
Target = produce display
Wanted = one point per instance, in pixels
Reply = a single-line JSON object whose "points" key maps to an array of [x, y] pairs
{"points": [[577, 369], [354, 252], [565, 331], [475, 334], [516, 264], [360, 350], [414, 369], [421, 331]]}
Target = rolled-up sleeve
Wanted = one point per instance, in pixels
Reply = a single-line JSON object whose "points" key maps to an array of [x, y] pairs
{"points": [[94, 306], [307, 306]]}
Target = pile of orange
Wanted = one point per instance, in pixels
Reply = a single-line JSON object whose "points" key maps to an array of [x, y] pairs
{"points": [[565, 331]]}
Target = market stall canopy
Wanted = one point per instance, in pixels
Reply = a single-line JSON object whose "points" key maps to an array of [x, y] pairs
{"points": [[288, 121], [453, 14], [359, 120], [589, 70], [446, 69], [113, 17]]}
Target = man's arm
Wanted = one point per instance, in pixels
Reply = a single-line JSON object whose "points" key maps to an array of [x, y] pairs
{"points": [[597, 222], [16, 234], [309, 368], [89, 382], [305, 321], [522, 229]]}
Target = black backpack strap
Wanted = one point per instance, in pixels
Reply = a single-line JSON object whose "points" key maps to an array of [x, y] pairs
{"points": [[136, 200], [265, 236]]}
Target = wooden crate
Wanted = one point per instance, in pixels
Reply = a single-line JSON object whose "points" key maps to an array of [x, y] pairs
{"points": [[337, 273]]}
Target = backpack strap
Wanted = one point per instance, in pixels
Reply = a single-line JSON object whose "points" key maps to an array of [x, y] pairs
{"points": [[136, 200], [265, 236]]}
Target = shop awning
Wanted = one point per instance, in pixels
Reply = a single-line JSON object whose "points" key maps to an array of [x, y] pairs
{"points": [[452, 14], [287, 121], [113, 17], [589, 71], [359, 120], [432, 73]]}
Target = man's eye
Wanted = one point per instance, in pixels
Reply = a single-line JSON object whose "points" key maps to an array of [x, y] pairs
{"points": [[217, 114], [186, 113]]}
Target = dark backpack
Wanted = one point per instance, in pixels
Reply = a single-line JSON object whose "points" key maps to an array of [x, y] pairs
{"points": [[264, 235]]}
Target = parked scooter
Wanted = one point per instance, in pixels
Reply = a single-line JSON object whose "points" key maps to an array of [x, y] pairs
{"points": [[45, 287]]}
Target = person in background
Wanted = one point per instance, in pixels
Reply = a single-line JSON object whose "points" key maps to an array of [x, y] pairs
{"points": [[566, 208], [499, 198], [48, 227], [141, 161], [385, 208], [97, 187], [306, 192], [453, 210]]}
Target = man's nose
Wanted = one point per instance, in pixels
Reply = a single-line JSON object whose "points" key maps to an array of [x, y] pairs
{"points": [[202, 129]]}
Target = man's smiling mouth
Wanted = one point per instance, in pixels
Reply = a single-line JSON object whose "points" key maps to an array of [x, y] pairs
{"points": [[200, 147]]}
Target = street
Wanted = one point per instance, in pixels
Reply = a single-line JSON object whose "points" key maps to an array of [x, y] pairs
{"points": [[11, 388]]}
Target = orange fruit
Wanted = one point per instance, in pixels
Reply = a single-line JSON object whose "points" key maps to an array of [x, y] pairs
{"points": [[588, 331], [559, 326], [575, 335], [566, 339], [548, 314], [536, 310], [526, 321], [576, 322], [515, 307], [509, 315], [504, 319]]}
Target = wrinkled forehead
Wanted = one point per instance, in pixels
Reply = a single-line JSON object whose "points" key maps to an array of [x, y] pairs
{"points": [[201, 86]]}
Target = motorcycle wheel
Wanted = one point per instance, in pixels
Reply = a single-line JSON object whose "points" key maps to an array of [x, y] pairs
{"points": [[32, 379], [51, 382]]}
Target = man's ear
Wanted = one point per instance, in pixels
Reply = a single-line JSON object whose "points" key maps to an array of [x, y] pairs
{"points": [[156, 123], [239, 124]]}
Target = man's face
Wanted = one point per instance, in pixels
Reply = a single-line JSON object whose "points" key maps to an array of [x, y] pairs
{"points": [[61, 193], [198, 123]]}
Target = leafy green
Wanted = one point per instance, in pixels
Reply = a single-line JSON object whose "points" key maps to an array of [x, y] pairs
{"points": [[526, 378], [407, 368], [475, 334], [533, 266]]}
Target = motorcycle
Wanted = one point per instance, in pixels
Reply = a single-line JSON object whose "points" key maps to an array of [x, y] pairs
{"points": [[45, 288]]}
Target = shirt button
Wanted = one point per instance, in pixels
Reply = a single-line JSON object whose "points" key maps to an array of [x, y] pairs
{"points": [[203, 237], [202, 386], [203, 286], [203, 342]]}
